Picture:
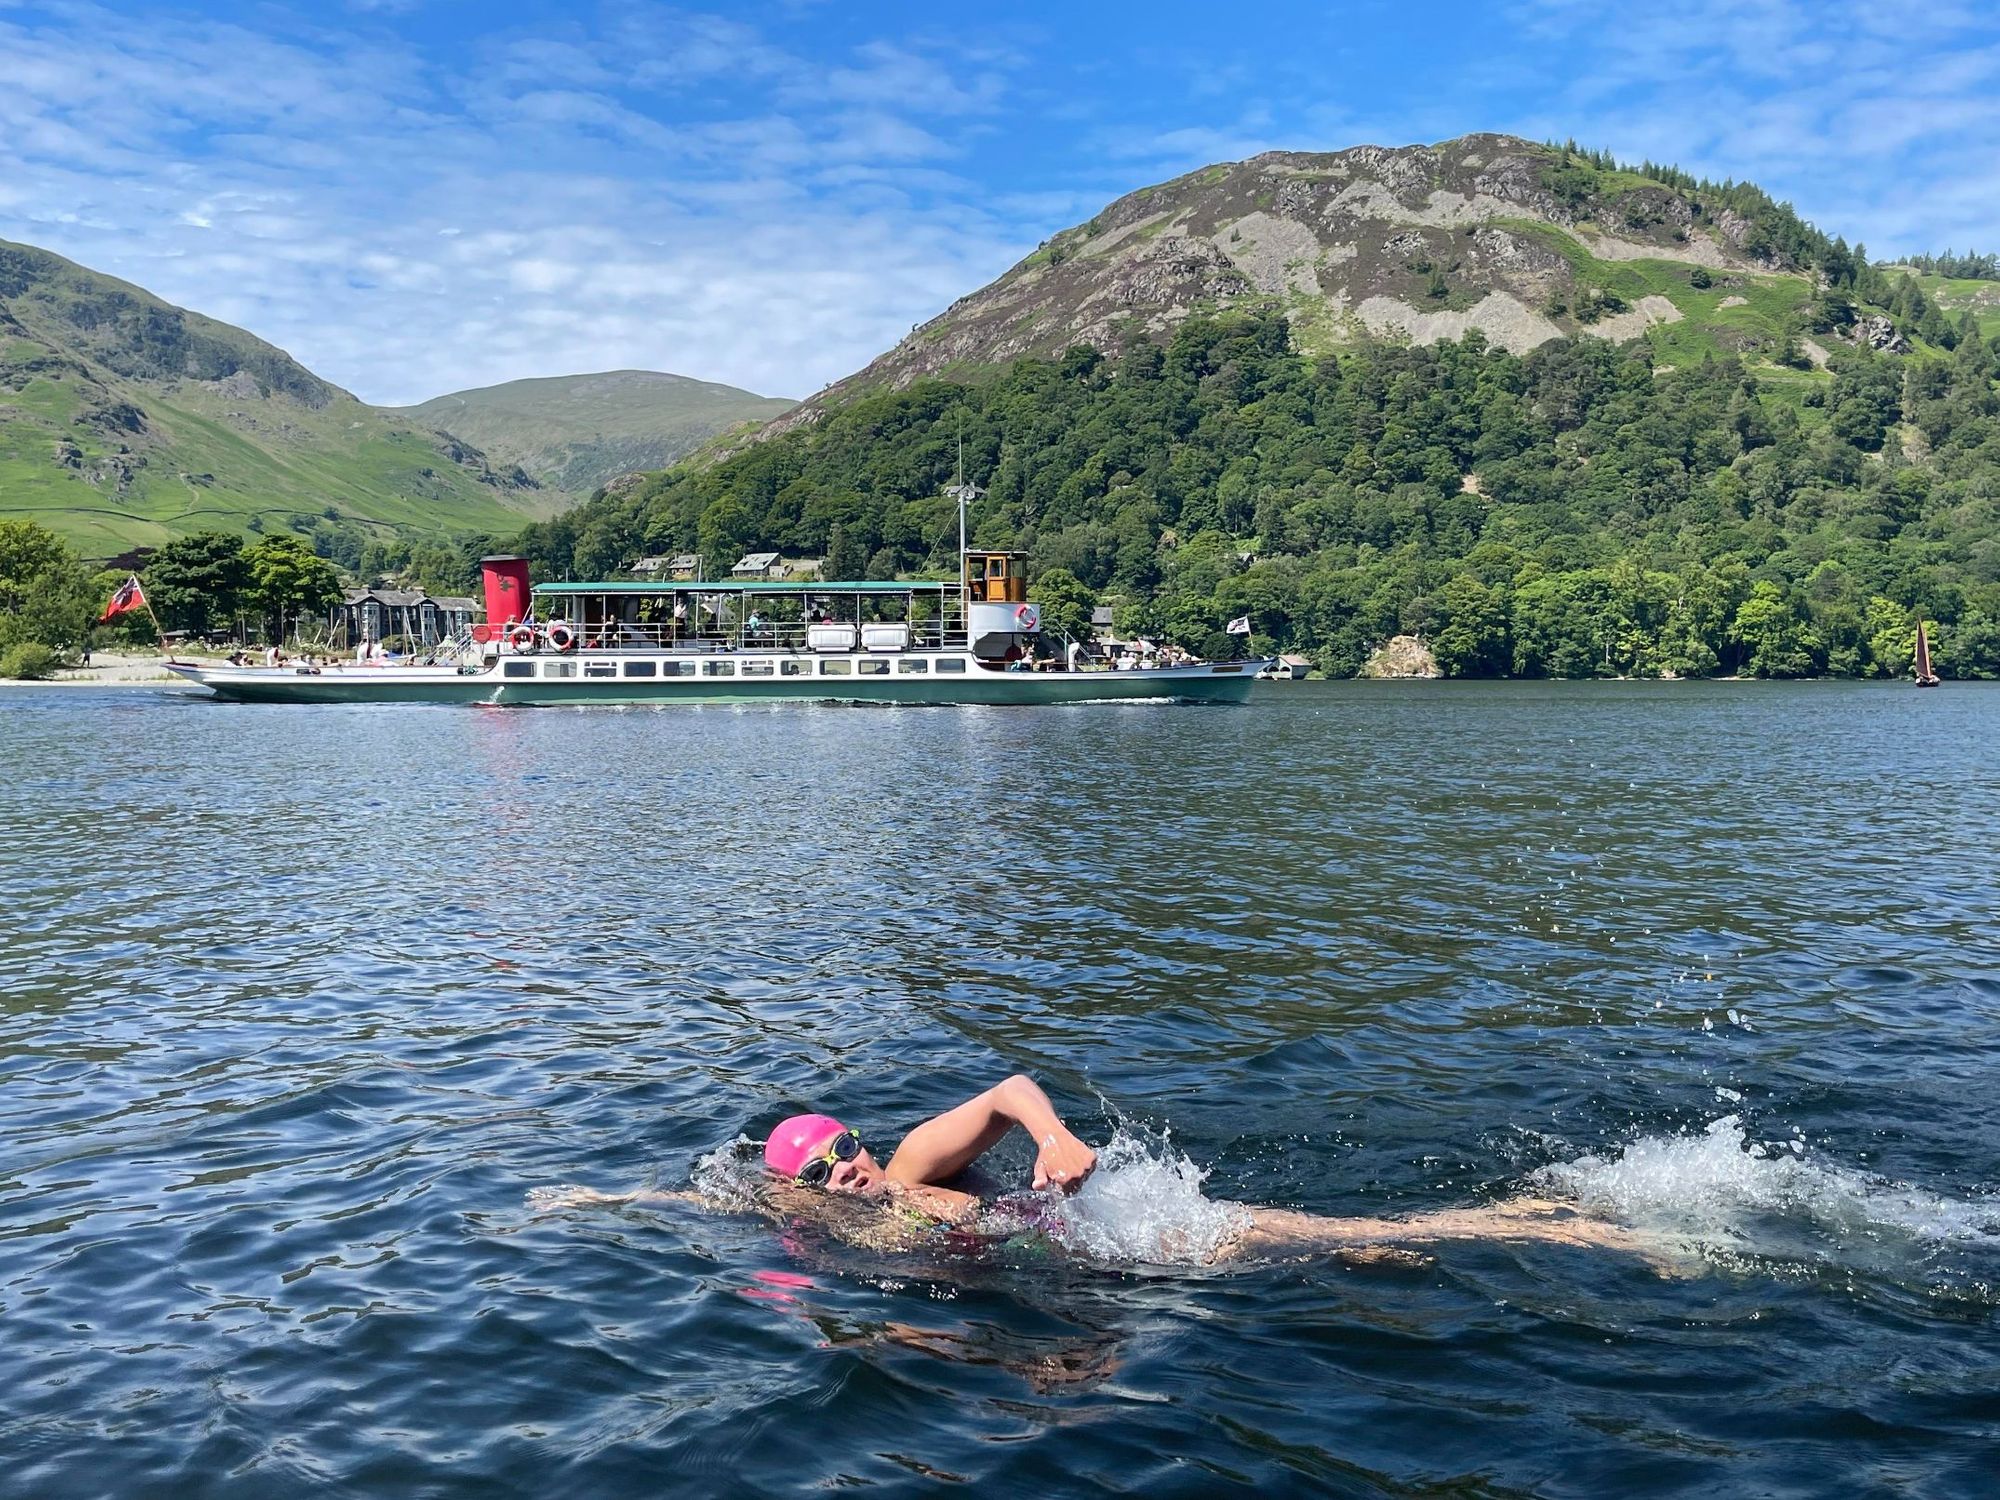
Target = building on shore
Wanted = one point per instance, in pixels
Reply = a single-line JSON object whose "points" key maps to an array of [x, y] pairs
{"points": [[381, 614]]}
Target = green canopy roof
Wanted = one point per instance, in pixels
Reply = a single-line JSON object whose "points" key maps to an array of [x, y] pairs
{"points": [[751, 586]]}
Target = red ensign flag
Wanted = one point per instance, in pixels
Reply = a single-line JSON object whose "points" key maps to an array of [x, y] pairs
{"points": [[129, 596]]}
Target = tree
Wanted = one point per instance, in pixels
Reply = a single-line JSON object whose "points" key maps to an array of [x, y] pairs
{"points": [[723, 532], [46, 596], [1473, 640], [846, 556], [197, 582], [1892, 636], [287, 578], [1065, 603], [1776, 642]]}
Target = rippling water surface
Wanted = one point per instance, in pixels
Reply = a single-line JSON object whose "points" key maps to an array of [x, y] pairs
{"points": [[297, 1004]]}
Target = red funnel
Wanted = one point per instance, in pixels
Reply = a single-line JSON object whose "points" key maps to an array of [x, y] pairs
{"points": [[506, 581]]}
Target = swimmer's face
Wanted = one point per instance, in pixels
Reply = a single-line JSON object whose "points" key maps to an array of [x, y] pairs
{"points": [[859, 1177]]}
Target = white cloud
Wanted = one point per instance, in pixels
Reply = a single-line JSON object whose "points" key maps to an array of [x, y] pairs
{"points": [[404, 234], [1873, 120], [655, 188]]}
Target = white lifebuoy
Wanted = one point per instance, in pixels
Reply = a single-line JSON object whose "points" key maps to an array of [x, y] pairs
{"points": [[1027, 617], [560, 636], [521, 638]]}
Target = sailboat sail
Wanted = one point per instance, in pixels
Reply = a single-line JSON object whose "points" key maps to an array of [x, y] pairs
{"points": [[1925, 676]]}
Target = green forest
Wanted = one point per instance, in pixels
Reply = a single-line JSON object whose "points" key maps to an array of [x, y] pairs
{"points": [[1570, 512]]}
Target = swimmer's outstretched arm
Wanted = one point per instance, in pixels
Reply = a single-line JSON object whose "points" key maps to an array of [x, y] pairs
{"points": [[569, 1195], [941, 1148]]}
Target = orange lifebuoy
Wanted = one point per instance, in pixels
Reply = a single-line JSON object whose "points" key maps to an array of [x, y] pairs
{"points": [[521, 637], [1027, 617], [560, 636]]}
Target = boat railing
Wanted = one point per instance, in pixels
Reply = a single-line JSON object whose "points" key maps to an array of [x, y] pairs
{"points": [[797, 637], [451, 649]]}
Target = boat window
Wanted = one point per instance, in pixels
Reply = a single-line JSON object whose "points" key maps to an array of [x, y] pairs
{"points": [[559, 669], [835, 668], [640, 669], [873, 666], [718, 669], [517, 669], [600, 669], [911, 664], [795, 668], [757, 669], [677, 669], [951, 664]]}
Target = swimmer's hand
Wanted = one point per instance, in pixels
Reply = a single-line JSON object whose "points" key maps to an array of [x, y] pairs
{"points": [[1063, 1161]]}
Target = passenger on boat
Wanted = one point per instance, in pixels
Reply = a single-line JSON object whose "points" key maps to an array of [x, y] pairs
{"points": [[810, 1156]]}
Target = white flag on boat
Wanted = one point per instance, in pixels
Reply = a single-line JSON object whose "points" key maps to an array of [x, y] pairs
{"points": [[1238, 626]]}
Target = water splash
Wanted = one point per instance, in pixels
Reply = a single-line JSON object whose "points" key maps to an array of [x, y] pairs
{"points": [[731, 1178], [1143, 1204], [1723, 1190]]}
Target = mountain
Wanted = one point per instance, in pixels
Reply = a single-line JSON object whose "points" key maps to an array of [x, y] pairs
{"points": [[1695, 435], [125, 420], [575, 432], [1526, 243]]}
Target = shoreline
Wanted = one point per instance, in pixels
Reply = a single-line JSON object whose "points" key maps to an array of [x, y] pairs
{"points": [[111, 669]]}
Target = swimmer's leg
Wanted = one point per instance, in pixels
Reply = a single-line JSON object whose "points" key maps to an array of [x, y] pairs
{"points": [[1278, 1232]]}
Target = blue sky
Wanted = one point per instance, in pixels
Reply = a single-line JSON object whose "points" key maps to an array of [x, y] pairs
{"points": [[415, 196]]}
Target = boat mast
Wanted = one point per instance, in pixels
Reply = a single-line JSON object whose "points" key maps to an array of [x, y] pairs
{"points": [[964, 494]]}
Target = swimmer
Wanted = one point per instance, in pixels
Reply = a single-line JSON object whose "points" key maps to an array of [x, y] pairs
{"points": [[809, 1157], [820, 1154]]}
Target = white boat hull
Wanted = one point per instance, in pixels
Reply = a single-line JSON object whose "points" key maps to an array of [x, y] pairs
{"points": [[733, 678]]}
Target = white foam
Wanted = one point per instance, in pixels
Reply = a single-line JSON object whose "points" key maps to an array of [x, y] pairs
{"points": [[1722, 1188], [1144, 1203], [730, 1179]]}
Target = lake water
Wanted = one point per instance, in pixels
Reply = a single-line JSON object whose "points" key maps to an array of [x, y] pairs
{"points": [[297, 1004]]}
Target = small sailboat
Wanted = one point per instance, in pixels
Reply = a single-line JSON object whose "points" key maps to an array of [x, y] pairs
{"points": [[1925, 676]]}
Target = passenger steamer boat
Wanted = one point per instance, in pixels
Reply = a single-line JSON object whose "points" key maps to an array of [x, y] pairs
{"points": [[963, 641]]}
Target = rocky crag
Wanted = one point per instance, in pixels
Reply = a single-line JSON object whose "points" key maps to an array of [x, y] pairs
{"points": [[1519, 241]]}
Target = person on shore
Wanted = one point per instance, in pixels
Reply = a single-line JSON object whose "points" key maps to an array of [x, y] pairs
{"points": [[812, 1162]]}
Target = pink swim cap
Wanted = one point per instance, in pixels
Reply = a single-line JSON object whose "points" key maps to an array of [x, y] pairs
{"points": [[791, 1143]]}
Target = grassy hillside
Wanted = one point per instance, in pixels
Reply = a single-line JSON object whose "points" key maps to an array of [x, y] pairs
{"points": [[1957, 295], [124, 421], [575, 432]]}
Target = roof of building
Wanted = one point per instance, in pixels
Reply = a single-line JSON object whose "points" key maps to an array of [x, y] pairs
{"points": [[454, 601], [757, 560]]}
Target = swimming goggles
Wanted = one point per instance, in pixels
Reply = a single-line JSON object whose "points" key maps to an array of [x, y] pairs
{"points": [[843, 1147]]}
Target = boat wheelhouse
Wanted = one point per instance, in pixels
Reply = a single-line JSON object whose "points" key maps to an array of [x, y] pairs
{"points": [[971, 639]]}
